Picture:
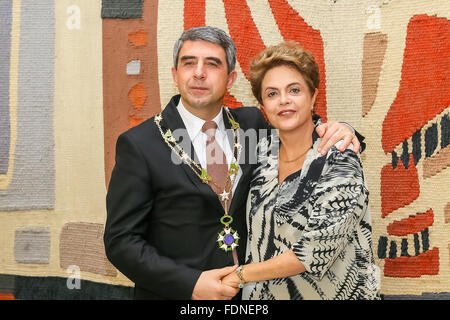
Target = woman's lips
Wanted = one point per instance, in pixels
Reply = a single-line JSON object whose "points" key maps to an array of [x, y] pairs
{"points": [[287, 112]]}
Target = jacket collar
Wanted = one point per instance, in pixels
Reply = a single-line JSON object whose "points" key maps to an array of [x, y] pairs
{"points": [[172, 120]]}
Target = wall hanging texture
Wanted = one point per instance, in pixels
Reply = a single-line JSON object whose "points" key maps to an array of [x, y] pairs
{"points": [[76, 74], [27, 169]]}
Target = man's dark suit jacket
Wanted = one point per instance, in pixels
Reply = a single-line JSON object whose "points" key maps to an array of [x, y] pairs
{"points": [[162, 221]]}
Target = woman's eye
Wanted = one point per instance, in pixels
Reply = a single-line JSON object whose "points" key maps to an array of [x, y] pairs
{"points": [[271, 94], [295, 90]]}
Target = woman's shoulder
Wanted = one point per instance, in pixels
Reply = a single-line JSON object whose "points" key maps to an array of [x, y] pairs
{"points": [[342, 168], [336, 156]]}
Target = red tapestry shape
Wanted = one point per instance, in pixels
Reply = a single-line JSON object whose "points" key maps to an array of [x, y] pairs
{"points": [[424, 88], [399, 186]]}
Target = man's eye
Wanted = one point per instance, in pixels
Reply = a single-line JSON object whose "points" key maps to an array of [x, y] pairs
{"points": [[188, 63]]}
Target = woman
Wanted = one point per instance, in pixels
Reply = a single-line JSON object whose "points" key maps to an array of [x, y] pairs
{"points": [[308, 217]]}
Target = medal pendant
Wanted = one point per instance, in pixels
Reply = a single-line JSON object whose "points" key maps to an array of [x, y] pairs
{"points": [[228, 239]]}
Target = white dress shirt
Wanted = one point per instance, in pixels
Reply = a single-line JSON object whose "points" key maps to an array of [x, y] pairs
{"points": [[194, 126]]}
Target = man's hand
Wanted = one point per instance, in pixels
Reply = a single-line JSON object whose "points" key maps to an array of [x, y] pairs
{"points": [[231, 280], [332, 132], [209, 285]]}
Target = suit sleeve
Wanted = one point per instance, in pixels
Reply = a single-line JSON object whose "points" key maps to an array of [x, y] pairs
{"points": [[129, 203], [361, 140]]}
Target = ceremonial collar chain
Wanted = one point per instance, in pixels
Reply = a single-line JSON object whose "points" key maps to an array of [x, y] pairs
{"points": [[228, 238]]}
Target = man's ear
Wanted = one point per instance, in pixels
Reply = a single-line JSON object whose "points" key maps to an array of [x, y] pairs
{"points": [[174, 76], [231, 79]]}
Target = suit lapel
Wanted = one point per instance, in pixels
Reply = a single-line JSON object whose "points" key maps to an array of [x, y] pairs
{"points": [[171, 119], [241, 190]]}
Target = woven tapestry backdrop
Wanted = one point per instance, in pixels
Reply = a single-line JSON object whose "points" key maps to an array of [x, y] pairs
{"points": [[97, 68]]}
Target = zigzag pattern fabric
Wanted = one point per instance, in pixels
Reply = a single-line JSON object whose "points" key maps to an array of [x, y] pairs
{"points": [[320, 212]]}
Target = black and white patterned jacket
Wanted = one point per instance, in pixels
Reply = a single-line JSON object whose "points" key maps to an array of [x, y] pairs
{"points": [[321, 212]]}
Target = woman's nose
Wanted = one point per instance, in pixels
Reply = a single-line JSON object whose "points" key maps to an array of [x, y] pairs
{"points": [[284, 98]]}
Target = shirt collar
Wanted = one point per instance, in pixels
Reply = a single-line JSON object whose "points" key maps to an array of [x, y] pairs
{"points": [[194, 124]]}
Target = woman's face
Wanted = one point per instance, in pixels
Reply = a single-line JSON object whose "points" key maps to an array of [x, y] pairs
{"points": [[287, 100]]}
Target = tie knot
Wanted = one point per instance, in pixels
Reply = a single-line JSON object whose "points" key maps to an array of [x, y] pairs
{"points": [[209, 127]]}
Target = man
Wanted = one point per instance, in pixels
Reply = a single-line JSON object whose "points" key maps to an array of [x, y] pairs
{"points": [[165, 211]]}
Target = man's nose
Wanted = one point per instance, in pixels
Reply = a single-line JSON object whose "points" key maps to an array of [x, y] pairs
{"points": [[199, 71]]}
